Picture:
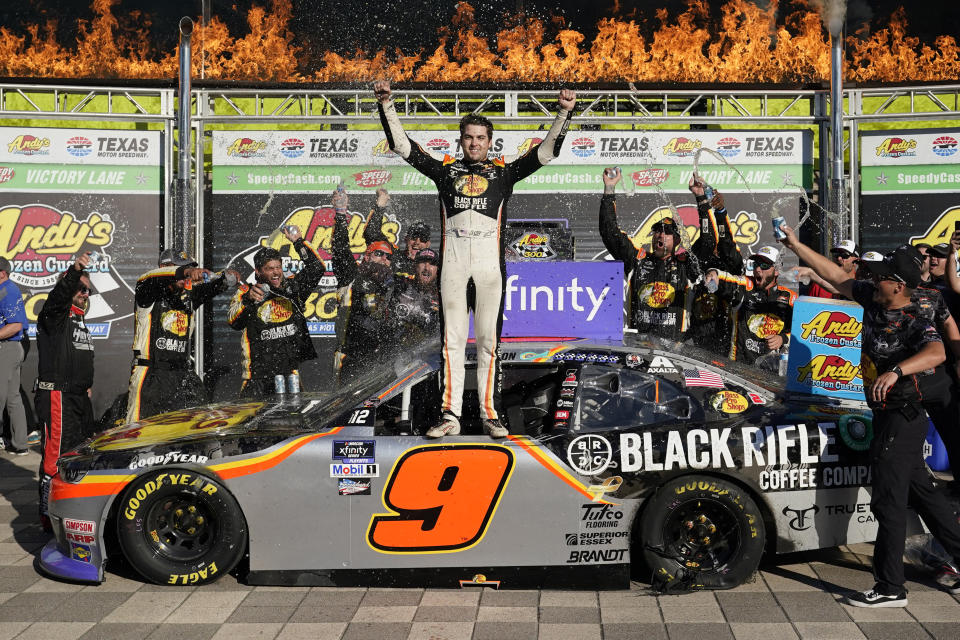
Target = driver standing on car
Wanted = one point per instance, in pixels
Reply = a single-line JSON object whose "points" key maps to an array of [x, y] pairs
{"points": [[473, 195], [64, 373], [901, 355]]}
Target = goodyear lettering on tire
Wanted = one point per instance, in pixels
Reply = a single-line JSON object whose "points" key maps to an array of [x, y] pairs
{"points": [[181, 479], [194, 576]]}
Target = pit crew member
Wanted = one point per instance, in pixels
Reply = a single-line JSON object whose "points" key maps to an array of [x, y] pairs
{"points": [[415, 238], [164, 301], [415, 304], [275, 338], [899, 348], [662, 280], [473, 196], [64, 373]]}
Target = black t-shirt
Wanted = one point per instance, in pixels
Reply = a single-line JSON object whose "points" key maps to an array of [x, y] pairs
{"points": [[890, 336]]}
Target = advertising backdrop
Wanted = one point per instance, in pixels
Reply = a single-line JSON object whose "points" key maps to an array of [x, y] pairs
{"points": [[263, 179], [65, 191]]}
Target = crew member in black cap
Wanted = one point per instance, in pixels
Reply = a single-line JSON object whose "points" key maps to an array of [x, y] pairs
{"points": [[900, 350], [415, 304], [939, 280], [416, 236], [270, 314], [164, 301], [662, 279]]}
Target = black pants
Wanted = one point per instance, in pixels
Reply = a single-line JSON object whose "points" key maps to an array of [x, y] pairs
{"points": [[900, 477], [67, 420], [154, 390], [940, 403]]}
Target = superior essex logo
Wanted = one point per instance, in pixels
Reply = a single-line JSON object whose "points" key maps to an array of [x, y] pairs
{"points": [[833, 328], [41, 242]]}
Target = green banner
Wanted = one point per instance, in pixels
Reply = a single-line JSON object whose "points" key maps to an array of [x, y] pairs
{"points": [[97, 177], [910, 178]]}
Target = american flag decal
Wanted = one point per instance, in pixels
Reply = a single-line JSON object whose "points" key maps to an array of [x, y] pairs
{"points": [[701, 378]]}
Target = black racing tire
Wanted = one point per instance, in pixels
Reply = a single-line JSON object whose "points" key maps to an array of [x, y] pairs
{"points": [[180, 527], [704, 524]]}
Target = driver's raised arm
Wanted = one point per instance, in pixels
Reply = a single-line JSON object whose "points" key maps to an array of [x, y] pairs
{"points": [[396, 136]]}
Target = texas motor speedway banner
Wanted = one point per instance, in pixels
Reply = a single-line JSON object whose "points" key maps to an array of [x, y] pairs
{"points": [[65, 191], [909, 186], [263, 179]]}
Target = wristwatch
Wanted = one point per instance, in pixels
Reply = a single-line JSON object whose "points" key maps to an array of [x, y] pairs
{"points": [[896, 369]]}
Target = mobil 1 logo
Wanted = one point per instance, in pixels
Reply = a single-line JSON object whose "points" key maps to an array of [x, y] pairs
{"points": [[589, 455]]}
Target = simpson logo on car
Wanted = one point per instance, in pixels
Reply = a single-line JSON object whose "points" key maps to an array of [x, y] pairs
{"points": [[79, 526]]}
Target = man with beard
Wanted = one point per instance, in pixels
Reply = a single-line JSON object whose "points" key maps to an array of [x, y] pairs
{"points": [[416, 236], [164, 302], [64, 373], [846, 255], [365, 290], [473, 195], [900, 349], [763, 310], [270, 314], [711, 324], [662, 280], [415, 304]]}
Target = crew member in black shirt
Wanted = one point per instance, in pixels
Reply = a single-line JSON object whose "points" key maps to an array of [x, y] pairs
{"points": [[901, 355]]}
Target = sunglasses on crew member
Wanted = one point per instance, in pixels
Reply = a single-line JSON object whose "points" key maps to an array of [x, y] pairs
{"points": [[83, 289], [843, 255], [762, 264], [380, 254], [422, 237]]}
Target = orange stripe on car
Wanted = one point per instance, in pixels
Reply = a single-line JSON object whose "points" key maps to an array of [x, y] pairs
{"points": [[537, 453], [401, 381]]}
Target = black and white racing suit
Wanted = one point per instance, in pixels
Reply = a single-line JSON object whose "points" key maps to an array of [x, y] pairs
{"points": [[473, 198]]}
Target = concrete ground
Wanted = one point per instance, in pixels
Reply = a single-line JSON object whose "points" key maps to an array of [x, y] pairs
{"points": [[797, 597]]}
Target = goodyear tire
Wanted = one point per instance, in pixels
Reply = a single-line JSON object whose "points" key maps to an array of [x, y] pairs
{"points": [[705, 528], [179, 527]]}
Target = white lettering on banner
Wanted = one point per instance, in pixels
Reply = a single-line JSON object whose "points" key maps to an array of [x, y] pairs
{"points": [[929, 178], [710, 449], [55, 176], [545, 295]]}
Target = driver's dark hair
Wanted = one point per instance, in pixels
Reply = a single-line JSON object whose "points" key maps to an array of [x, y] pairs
{"points": [[472, 118]]}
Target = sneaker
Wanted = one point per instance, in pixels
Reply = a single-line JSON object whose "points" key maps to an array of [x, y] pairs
{"points": [[949, 578], [494, 428], [33, 438], [873, 599], [449, 425], [18, 452]]}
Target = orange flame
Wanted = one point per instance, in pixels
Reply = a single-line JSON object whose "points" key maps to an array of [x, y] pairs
{"points": [[747, 45]]}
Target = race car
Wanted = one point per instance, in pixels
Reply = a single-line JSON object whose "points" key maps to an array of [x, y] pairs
{"points": [[634, 451]]}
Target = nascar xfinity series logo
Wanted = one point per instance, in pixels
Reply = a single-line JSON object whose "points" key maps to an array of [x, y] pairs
{"points": [[40, 242]]}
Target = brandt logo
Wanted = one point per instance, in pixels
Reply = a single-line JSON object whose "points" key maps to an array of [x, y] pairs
{"points": [[800, 521]]}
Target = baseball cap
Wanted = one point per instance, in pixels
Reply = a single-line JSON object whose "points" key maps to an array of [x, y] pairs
{"points": [[768, 253], [265, 255], [418, 229], [380, 245], [170, 257], [846, 245], [902, 264], [941, 250], [666, 225], [5, 265], [871, 256], [428, 255]]}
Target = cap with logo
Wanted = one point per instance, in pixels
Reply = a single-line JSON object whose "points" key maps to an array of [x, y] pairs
{"points": [[418, 229], [902, 265], [171, 257], [380, 245], [941, 250], [846, 245], [871, 256], [666, 225], [768, 253], [428, 255]]}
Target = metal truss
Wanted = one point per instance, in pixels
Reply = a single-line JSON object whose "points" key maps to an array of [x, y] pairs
{"points": [[86, 103]]}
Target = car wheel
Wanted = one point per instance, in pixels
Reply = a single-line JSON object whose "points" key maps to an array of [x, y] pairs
{"points": [[706, 529], [180, 527]]}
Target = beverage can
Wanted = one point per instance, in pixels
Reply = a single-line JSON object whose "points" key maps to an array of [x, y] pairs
{"points": [[94, 256], [293, 383], [708, 192], [613, 172], [290, 228], [206, 277], [777, 232], [279, 385]]}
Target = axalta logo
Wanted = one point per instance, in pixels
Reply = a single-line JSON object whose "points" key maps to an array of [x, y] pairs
{"points": [[382, 148], [583, 147], [28, 145], [528, 144], [176, 322], [897, 148], [728, 147], [834, 328], [79, 147], [681, 147], [831, 371], [247, 148], [650, 177], [940, 230], [292, 147], [438, 145], [6, 174], [372, 178], [945, 146]]}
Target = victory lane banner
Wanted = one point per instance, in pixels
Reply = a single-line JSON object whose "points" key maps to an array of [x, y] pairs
{"points": [[67, 191]]}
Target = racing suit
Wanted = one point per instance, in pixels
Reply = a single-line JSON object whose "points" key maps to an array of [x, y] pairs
{"points": [[711, 322], [660, 287], [758, 314], [64, 379], [275, 338], [898, 471], [162, 378], [473, 198], [365, 290]]}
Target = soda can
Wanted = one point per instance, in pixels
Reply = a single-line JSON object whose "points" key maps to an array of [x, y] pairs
{"points": [[293, 383], [777, 232], [279, 385], [290, 228], [206, 277], [708, 192], [94, 256]]}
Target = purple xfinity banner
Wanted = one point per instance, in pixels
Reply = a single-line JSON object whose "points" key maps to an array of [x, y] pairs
{"points": [[563, 299]]}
